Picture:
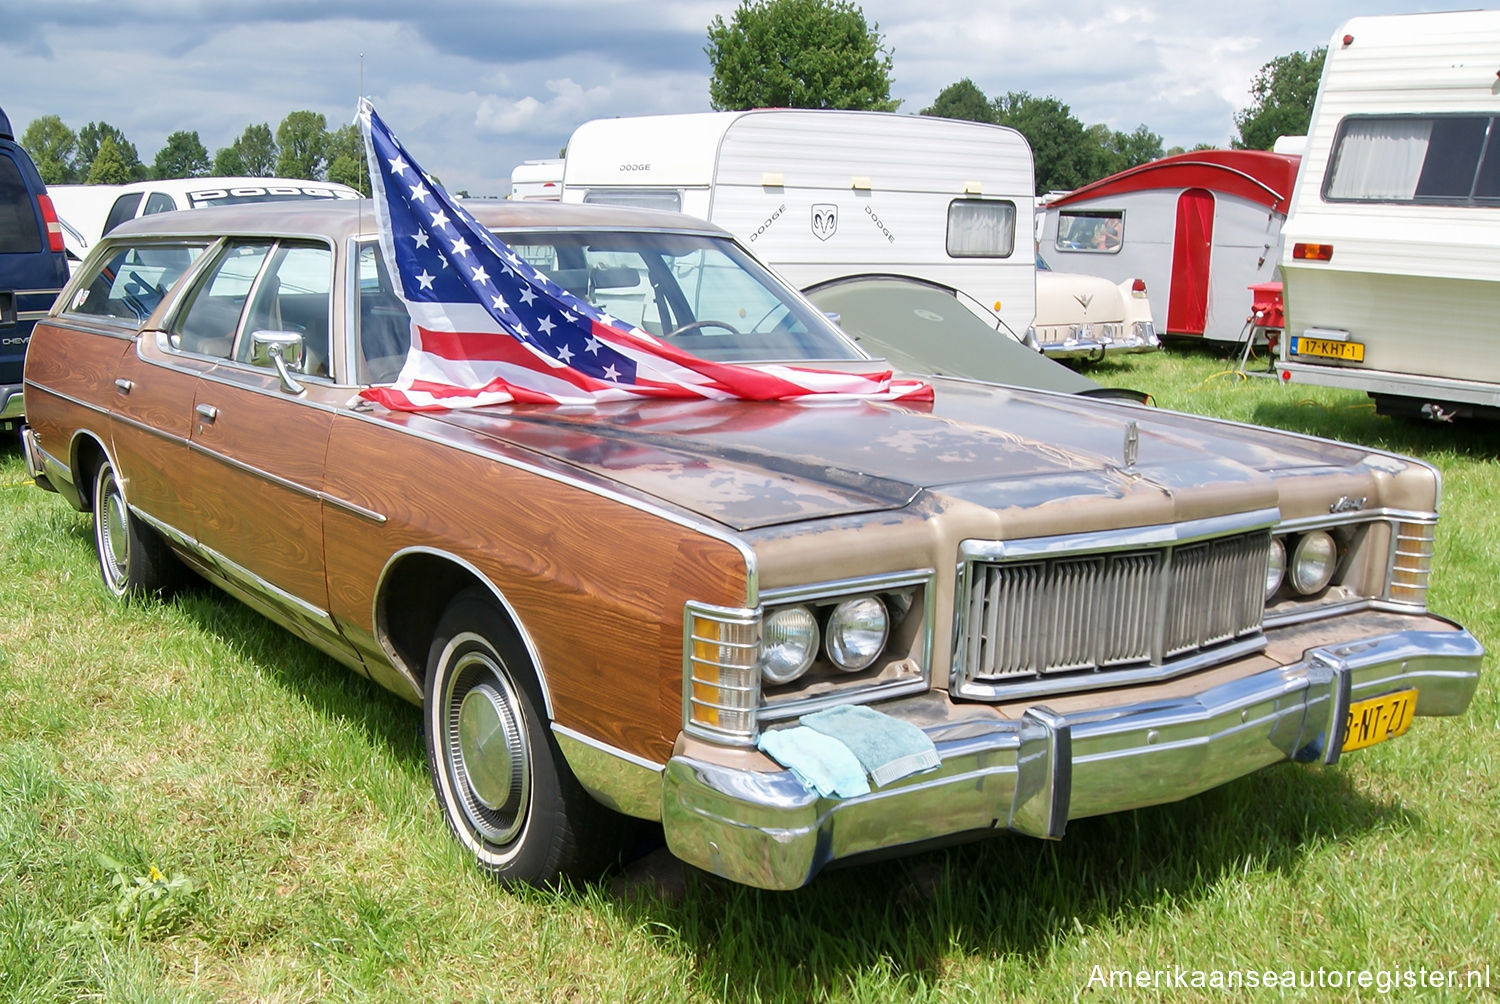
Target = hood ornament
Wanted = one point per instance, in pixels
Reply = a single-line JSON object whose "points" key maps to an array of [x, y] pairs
{"points": [[1132, 443]]}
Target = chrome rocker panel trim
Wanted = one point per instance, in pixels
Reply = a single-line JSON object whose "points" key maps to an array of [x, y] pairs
{"points": [[1032, 775]]}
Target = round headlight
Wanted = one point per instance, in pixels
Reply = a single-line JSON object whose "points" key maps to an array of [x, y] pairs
{"points": [[1313, 561], [1276, 567], [856, 633], [788, 642]]}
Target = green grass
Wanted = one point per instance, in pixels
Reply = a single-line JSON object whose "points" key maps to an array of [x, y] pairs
{"points": [[194, 806]]}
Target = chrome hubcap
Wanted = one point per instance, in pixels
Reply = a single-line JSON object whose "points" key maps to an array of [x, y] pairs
{"points": [[114, 534], [488, 750]]}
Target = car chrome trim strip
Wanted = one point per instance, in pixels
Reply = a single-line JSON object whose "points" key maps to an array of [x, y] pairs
{"points": [[1125, 539], [532, 652], [258, 472], [618, 778], [233, 570], [88, 405]]}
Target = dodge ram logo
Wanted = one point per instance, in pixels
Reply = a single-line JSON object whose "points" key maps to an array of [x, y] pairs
{"points": [[825, 220]]}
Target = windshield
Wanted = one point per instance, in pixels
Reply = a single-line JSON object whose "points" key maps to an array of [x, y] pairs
{"points": [[702, 293]]}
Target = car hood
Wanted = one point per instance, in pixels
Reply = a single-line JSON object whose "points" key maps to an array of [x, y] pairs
{"points": [[751, 464]]}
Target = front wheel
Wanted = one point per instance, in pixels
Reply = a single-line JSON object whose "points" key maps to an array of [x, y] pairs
{"points": [[133, 559], [504, 788]]}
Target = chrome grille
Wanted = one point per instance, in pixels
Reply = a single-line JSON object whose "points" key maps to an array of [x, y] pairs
{"points": [[1091, 613]]}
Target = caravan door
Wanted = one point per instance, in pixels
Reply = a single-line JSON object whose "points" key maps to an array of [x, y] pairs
{"points": [[1192, 247]]}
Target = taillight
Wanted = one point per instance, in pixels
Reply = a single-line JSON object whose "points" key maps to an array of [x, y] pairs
{"points": [[49, 217], [1138, 287], [1312, 252]]}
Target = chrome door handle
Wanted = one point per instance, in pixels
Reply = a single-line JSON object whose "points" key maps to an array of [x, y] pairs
{"points": [[207, 412], [124, 386]]}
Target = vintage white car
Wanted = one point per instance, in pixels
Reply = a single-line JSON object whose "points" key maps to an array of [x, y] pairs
{"points": [[1083, 317]]}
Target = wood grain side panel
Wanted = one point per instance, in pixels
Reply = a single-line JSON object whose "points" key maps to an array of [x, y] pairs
{"points": [[597, 584], [257, 470], [65, 363], [150, 430]]}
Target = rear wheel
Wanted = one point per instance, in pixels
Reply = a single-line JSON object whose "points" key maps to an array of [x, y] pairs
{"points": [[504, 788], [133, 559]]}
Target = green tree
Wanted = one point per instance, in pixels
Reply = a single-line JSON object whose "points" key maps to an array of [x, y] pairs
{"points": [[110, 166], [255, 152], [303, 139], [1065, 156], [227, 162], [1121, 150], [91, 137], [963, 100], [798, 54], [346, 158], [1284, 91], [51, 145], [183, 156]]}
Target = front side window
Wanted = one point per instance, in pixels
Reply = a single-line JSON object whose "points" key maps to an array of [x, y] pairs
{"points": [[981, 228], [134, 279], [1443, 159], [212, 317], [293, 295], [159, 202], [1093, 230]]}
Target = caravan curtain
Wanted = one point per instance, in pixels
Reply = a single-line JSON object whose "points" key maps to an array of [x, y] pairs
{"points": [[1379, 158]]}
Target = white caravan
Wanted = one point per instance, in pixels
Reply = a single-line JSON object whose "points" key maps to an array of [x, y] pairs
{"points": [[823, 195], [1392, 249], [1199, 227], [537, 181]]}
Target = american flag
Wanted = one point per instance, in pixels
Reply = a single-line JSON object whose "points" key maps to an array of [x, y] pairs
{"points": [[489, 328]]}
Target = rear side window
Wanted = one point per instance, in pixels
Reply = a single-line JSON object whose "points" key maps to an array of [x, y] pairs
{"points": [[981, 229], [19, 233], [123, 209], [133, 280], [1440, 159]]}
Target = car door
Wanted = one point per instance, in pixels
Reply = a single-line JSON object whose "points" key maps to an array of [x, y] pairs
{"points": [[257, 450]]}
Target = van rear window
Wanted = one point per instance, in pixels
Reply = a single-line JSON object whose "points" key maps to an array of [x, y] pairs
{"points": [[1440, 159], [19, 233]]}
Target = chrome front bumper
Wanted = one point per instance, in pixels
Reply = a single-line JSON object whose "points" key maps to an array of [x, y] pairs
{"points": [[1034, 773], [12, 402]]}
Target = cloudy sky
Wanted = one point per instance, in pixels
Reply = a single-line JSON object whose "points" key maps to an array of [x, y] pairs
{"points": [[474, 87]]}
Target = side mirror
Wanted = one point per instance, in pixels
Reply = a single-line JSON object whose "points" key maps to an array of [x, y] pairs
{"points": [[282, 350]]}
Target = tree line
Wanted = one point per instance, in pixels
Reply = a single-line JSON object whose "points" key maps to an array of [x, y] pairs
{"points": [[770, 54], [99, 154], [824, 54]]}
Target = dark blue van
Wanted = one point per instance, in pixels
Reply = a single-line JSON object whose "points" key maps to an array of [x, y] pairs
{"points": [[33, 266]]}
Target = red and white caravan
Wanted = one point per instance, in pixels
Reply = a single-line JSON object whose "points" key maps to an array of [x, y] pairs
{"points": [[1199, 227]]}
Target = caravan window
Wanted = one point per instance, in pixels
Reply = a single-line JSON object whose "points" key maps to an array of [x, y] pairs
{"points": [[1449, 159], [1094, 230], [636, 198], [981, 228]]}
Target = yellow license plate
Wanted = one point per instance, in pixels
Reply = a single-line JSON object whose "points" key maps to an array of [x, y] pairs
{"points": [[1327, 348], [1379, 719]]}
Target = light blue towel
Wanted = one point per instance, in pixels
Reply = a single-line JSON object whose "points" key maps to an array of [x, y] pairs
{"points": [[889, 748], [821, 761]]}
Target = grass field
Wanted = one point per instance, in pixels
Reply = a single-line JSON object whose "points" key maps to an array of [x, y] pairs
{"points": [[194, 806]]}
